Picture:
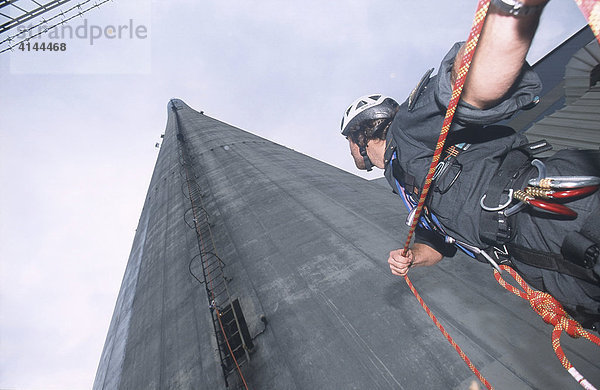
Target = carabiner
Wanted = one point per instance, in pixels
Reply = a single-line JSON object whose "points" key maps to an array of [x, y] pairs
{"points": [[499, 207], [552, 207], [478, 251], [411, 216], [514, 209], [551, 194], [565, 182], [541, 168], [556, 208]]}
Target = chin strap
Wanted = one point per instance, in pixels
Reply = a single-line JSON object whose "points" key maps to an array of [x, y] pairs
{"points": [[368, 163]]}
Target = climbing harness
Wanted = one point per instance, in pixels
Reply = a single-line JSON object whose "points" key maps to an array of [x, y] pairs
{"points": [[493, 221], [541, 193], [499, 224], [428, 219], [535, 194]]}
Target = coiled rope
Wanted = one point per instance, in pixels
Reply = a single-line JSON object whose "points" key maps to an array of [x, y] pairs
{"points": [[552, 313]]}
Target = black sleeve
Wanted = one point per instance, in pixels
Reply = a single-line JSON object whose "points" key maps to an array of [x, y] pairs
{"points": [[429, 238], [525, 91]]}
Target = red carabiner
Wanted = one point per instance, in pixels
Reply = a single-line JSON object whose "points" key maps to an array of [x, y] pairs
{"points": [[555, 194], [552, 207], [583, 191]]}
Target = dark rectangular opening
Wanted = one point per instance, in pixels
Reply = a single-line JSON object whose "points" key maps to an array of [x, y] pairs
{"points": [[233, 334]]}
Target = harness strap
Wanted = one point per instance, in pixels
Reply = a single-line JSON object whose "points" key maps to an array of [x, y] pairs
{"points": [[407, 181], [494, 226], [551, 261], [406, 188], [495, 229]]}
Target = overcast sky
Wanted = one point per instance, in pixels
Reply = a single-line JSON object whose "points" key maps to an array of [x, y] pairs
{"points": [[78, 130]]}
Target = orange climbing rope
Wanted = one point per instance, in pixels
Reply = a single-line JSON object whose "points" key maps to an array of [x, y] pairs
{"points": [[480, 14], [591, 10], [550, 310], [443, 330], [465, 64], [553, 313]]}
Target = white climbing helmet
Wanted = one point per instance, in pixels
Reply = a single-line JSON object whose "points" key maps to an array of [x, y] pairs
{"points": [[368, 107]]}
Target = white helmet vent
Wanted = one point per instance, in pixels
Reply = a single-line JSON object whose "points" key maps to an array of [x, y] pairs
{"points": [[374, 106]]}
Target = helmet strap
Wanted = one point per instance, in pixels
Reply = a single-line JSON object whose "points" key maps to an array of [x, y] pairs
{"points": [[368, 163]]}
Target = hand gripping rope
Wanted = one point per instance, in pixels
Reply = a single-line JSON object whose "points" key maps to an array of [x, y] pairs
{"points": [[550, 310]]}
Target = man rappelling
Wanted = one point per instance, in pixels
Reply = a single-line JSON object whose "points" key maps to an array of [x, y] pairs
{"points": [[491, 196]]}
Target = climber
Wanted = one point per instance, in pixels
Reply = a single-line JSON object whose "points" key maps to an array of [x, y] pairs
{"points": [[481, 201]]}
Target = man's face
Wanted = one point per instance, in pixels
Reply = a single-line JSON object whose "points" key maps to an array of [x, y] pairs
{"points": [[355, 152]]}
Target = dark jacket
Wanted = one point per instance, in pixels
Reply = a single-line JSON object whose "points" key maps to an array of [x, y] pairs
{"points": [[455, 197]]}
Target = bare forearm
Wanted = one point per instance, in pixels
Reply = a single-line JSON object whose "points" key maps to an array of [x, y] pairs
{"points": [[425, 255], [499, 57]]}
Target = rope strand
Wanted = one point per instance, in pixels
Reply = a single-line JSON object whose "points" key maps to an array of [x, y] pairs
{"points": [[552, 313], [544, 304], [470, 46], [591, 11], [448, 337]]}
